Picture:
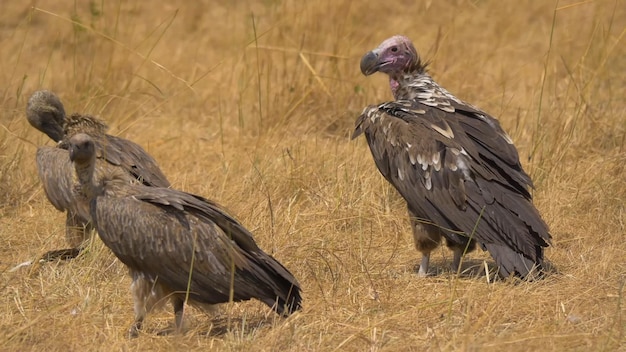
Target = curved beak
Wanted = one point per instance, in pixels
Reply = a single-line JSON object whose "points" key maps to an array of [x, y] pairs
{"points": [[369, 63], [72, 151], [54, 131], [45, 121]]}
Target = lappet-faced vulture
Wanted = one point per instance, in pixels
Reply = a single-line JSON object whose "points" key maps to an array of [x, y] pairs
{"points": [[45, 112], [177, 245], [458, 171]]}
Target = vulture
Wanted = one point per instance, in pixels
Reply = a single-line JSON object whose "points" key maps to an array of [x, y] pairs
{"points": [[457, 169], [177, 245], [46, 113]]}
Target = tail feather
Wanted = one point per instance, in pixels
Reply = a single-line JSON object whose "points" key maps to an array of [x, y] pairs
{"points": [[280, 288], [512, 262]]}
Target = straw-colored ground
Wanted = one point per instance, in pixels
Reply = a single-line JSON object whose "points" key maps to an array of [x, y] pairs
{"points": [[262, 126]]}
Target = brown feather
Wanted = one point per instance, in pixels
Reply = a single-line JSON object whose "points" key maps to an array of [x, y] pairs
{"points": [[432, 171], [183, 244], [463, 172], [46, 113]]}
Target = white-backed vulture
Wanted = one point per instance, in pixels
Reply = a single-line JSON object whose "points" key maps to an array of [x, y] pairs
{"points": [[458, 171], [176, 244], [45, 112]]}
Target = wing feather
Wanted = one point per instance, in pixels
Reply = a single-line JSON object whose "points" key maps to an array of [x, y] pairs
{"points": [[202, 208], [460, 172], [117, 151], [133, 158], [57, 176], [494, 144], [56, 173], [158, 231]]}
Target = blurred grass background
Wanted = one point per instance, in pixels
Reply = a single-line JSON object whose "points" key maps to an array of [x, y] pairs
{"points": [[252, 104]]}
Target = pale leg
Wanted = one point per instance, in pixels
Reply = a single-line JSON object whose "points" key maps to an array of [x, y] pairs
{"points": [[426, 239], [147, 294], [463, 246], [138, 289], [456, 259], [423, 272]]}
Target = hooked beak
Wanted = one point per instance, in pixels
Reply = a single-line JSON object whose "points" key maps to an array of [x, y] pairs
{"points": [[369, 63], [54, 131], [72, 153]]}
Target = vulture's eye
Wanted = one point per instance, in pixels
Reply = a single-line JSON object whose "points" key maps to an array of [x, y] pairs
{"points": [[394, 49]]}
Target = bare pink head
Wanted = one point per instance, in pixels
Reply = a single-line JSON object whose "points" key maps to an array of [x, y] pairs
{"points": [[394, 56]]}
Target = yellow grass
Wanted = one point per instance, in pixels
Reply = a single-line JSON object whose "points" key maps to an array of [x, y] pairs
{"points": [[252, 104]]}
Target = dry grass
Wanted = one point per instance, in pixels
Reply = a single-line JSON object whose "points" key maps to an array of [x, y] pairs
{"points": [[262, 127]]}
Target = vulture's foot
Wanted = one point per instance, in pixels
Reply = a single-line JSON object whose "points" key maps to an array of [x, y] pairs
{"points": [[60, 254], [134, 329], [168, 331]]}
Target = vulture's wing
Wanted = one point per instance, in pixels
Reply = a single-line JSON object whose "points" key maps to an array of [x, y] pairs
{"points": [[168, 234], [202, 208], [56, 173], [133, 158], [493, 145], [451, 179], [117, 151]]}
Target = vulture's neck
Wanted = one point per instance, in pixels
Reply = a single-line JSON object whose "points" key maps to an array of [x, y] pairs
{"points": [[412, 85], [419, 86], [85, 173]]}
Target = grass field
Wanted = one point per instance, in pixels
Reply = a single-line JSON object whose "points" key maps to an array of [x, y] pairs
{"points": [[251, 104]]}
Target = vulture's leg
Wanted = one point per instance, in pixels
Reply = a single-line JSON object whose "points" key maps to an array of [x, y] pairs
{"points": [[179, 311], [141, 291], [77, 232], [457, 253], [458, 249], [426, 239], [423, 271], [77, 229]]}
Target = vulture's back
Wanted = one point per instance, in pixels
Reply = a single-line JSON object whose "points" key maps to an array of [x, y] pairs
{"points": [[167, 234], [124, 153], [134, 159]]}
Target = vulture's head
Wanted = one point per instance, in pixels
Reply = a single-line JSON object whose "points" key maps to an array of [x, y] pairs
{"points": [[394, 56], [82, 149], [45, 112]]}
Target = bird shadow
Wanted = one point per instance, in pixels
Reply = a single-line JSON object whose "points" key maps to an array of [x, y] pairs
{"points": [[470, 268], [218, 327], [479, 269], [60, 254], [243, 326]]}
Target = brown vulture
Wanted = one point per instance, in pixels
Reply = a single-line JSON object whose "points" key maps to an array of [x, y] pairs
{"points": [[46, 113], [177, 245], [458, 171]]}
